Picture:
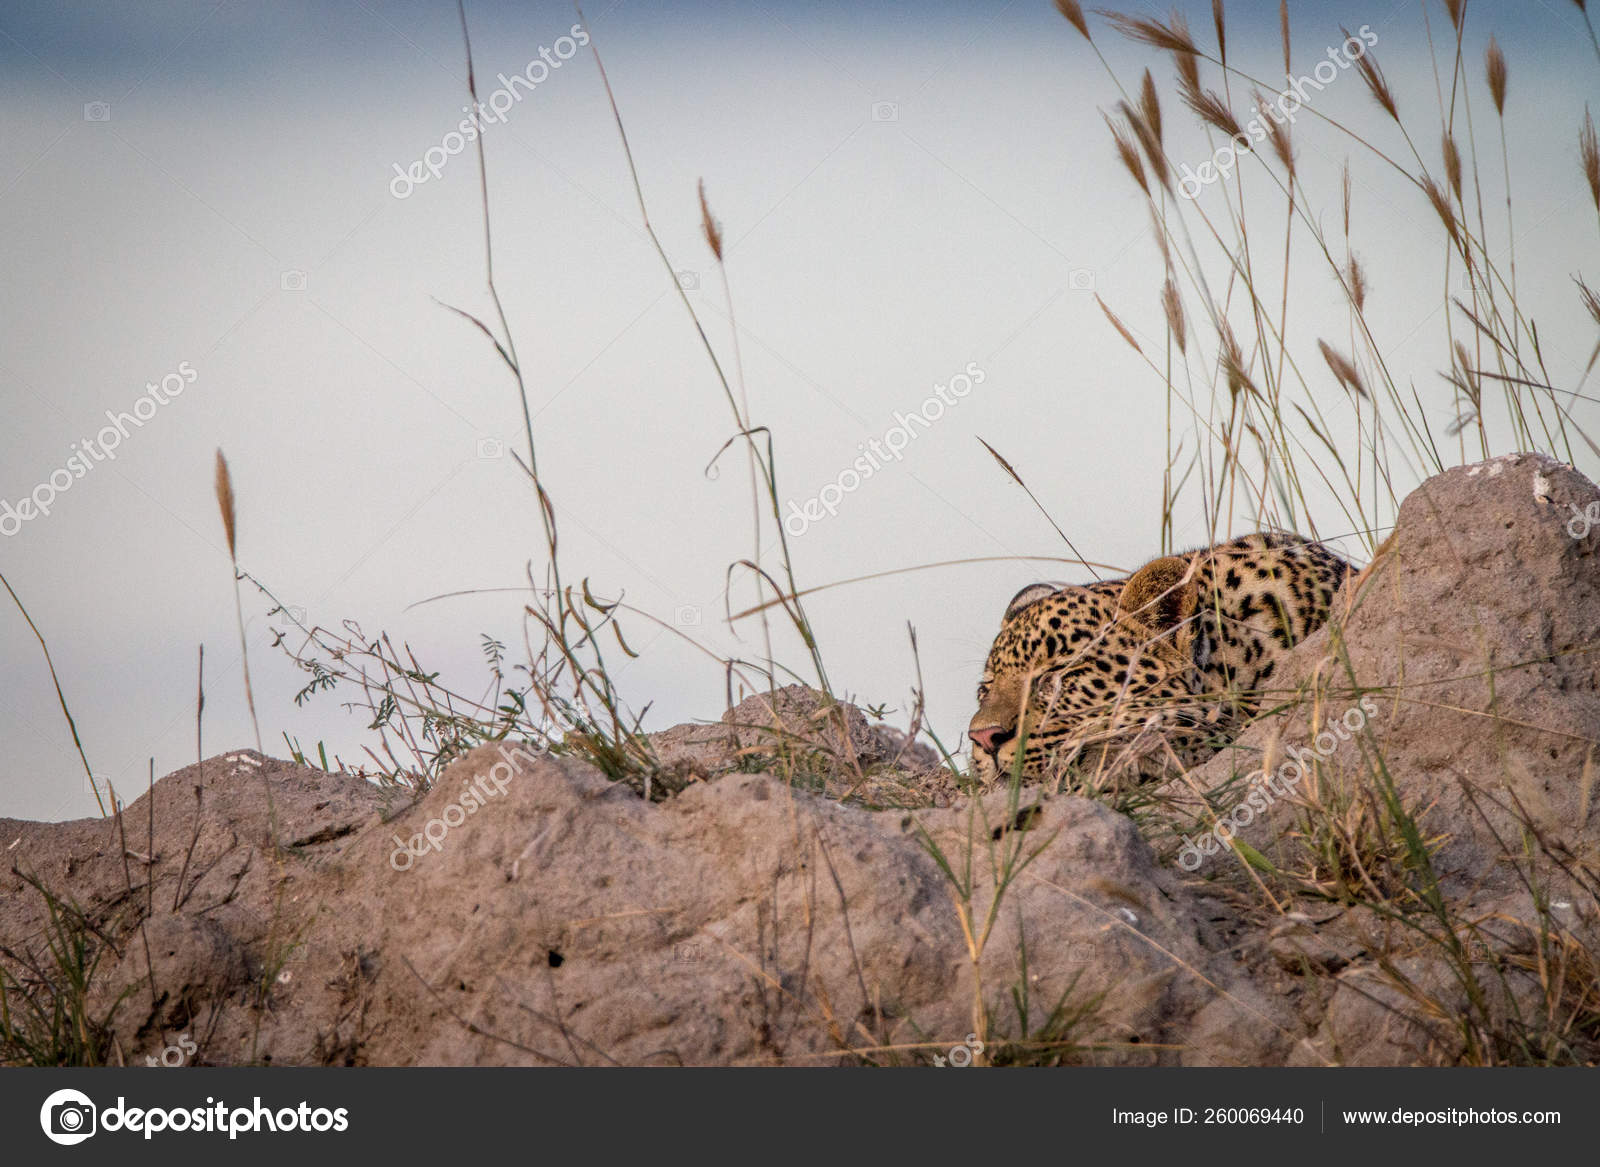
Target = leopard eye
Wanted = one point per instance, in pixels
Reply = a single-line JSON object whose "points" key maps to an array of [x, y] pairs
{"points": [[1048, 683]]}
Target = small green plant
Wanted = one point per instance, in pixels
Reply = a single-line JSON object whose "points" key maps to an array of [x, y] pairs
{"points": [[46, 1015], [1004, 849], [1060, 1038]]}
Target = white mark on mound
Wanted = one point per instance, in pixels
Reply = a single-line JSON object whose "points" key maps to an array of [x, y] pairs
{"points": [[1495, 465]]}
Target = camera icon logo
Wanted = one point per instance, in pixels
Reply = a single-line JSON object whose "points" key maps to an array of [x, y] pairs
{"points": [[687, 953], [97, 111], [490, 449], [292, 280], [1081, 279], [68, 1117], [961, 1055], [885, 111], [687, 615], [688, 280]]}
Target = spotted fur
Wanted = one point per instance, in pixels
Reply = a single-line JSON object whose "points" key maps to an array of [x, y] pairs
{"points": [[1132, 675]]}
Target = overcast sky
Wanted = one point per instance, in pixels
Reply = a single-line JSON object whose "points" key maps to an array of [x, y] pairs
{"points": [[209, 192]]}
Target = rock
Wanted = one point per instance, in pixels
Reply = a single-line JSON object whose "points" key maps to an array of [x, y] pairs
{"points": [[803, 887], [797, 734], [554, 916]]}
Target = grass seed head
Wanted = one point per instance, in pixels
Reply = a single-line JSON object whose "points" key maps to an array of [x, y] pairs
{"points": [[1344, 369], [1118, 325], [1188, 72], [1494, 63], [224, 485], [1150, 105], [1589, 152], [1147, 139], [1283, 30], [1345, 199], [1356, 280], [1452, 165], [1232, 359], [1469, 380], [708, 224], [1172, 307], [1377, 84], [1128, 151], [1591, 300], [1442, 206], [1212, 110], [1278, 135], [1074, 15], [1172, 37]]}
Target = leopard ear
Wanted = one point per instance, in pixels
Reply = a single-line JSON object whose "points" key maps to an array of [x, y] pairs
{"points": [[1027, 596], [1161, 595]]}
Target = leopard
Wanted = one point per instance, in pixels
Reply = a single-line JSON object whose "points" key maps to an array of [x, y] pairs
{"points": [[1142, 677]]}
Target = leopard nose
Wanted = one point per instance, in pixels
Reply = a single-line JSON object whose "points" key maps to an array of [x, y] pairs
{"points": [[988, 738]]}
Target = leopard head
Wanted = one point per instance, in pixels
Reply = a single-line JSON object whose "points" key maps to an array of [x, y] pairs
{"points": [[1089, 675]]}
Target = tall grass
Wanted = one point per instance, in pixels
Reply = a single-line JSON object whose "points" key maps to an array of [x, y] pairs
{"points": [[566, 699], [1247, 433], [61, 698]]}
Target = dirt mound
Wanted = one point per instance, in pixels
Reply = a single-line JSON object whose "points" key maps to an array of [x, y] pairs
{"points": [[1463, 682], [827, 747], [185, 882], [529, 910]]}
